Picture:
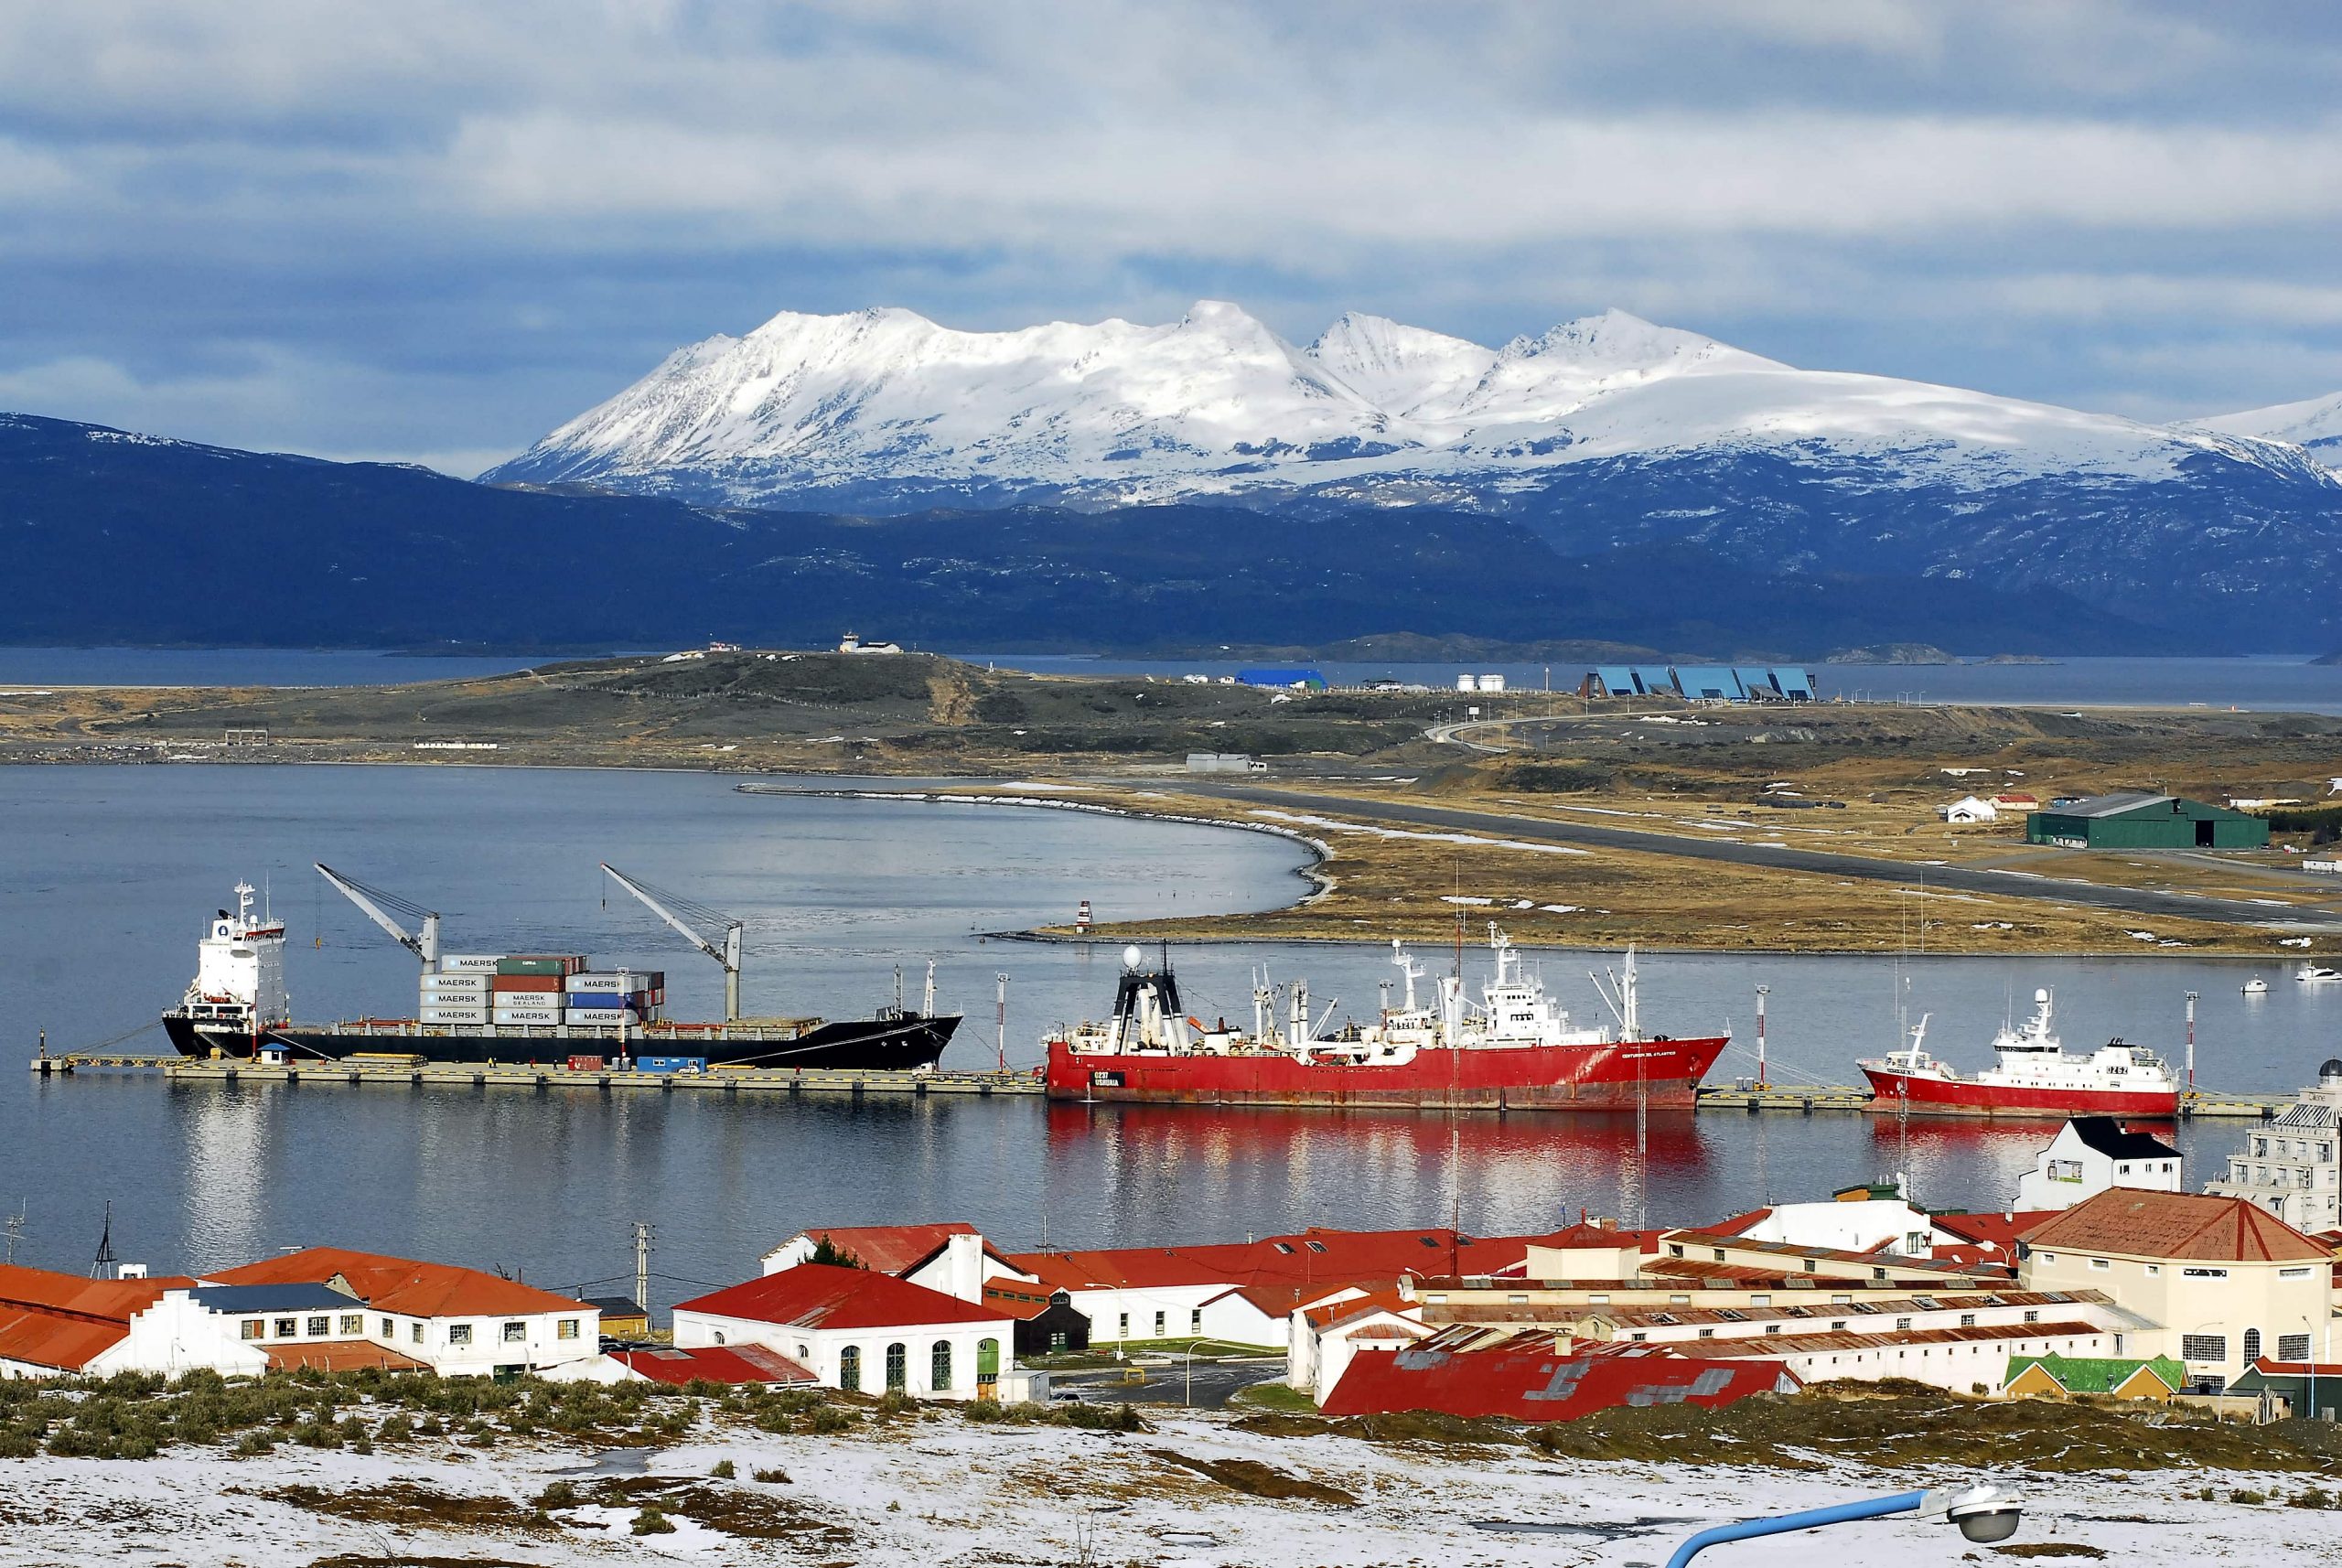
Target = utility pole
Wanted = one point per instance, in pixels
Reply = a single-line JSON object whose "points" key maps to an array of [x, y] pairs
{"points": [[1762, 992], [643, 1266], [2191, 1042], [14, 1229], [1003, 1020], [102, 1267]]}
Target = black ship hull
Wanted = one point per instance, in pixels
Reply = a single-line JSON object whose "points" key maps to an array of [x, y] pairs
{"points": [[895, 1043]]}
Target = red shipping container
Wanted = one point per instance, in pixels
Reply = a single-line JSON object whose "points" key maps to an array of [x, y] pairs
{"points": [[585, 1064], [536, 982]]}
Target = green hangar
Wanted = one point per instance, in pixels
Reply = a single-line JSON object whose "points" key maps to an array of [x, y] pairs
{"points": [[2136, 821]]}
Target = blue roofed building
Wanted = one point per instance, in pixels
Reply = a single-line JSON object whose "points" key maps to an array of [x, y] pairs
{"points": [[1709, 683]]}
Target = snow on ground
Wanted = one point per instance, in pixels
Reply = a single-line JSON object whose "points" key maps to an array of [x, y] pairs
{"points": [[942, 1492]]}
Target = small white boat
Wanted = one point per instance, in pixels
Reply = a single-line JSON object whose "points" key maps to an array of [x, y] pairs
{"points": [[2256, 986], [2317, 974]]}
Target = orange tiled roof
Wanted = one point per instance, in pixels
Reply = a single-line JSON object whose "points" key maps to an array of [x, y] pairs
{"points": [[402, 1284], [823, 1296], [48, 1319], [891, 1249], [2197, 1225], [341, 1356]]}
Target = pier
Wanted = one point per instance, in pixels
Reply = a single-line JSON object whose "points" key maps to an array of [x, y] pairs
{"points": [[1778, 1098], [396, 1073]]}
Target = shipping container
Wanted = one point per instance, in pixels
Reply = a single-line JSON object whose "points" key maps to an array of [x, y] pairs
{"points": [[527, 985], [456, 984], [587, 1064], [670, 1064], [619, 980], [540, 963], [470, 962], [528, 1015], [599, 1000], [452, 1014]]}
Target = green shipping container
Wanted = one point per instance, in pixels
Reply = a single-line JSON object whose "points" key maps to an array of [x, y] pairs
{"points": [[539, 964]]}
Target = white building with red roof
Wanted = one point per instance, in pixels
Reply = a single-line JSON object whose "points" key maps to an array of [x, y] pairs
{"points": [[951, 1256], [52, 1325], [861, 1330]]}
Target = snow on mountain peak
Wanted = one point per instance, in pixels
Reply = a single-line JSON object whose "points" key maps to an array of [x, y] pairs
{"points": [[2313, 422], [893, 409]]}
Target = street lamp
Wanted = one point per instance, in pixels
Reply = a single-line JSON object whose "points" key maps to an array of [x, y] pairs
{"points": [[1189, 1396], [1983, 1512], [1762, 992]]}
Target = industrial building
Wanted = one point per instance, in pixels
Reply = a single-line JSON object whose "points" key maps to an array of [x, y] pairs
{"points": [[2136, 819], [1699, 683]]}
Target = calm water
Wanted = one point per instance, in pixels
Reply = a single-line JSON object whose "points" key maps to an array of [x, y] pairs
{"points": [[105, 875], [239, 667], [2278, 682]]}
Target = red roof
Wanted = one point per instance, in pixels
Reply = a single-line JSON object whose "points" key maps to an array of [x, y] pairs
{"points": [[48, 1319], [1997, 1232], [1537, 1384], [2195, 1226], [823, 1296], [341, 1356], [1019, 1299], [1284, 1271], [715, 1364], [402, 1284], [890, 1249]]}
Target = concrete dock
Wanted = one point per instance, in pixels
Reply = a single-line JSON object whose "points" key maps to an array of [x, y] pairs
{"points": [[1789, 1098]]}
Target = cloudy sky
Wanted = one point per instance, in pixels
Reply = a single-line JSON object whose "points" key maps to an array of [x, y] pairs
{"points": [[433, 229]]}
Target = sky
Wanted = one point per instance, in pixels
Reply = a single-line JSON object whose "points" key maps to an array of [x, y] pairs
{"points": [[431, 229]]}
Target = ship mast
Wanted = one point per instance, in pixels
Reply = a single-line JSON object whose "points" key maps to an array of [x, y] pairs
{"points": [[377, 905], [729, 954]]}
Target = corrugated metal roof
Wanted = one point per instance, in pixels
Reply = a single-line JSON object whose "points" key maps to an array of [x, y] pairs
{"points": [[2177, 1225], [733, 1364], [1533, 1383], [1807, 1344], [402, 1284], [823, 1295]]}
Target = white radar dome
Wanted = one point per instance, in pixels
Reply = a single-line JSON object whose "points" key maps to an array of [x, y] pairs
{"points": [[1132, 957]]}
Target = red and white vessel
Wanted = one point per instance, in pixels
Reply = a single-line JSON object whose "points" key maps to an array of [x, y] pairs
{"points": [[1513, 1049], [2032, 1075]]}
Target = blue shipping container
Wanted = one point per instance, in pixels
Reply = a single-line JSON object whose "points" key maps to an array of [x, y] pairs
{"points": [[584, 1001], [670, 1064]]}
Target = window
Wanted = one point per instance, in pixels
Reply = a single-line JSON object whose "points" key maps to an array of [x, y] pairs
{"points": [[2252, 1346], [2046, 1257], [1772, 1329], [1518, 1300], [938, 1365], [1968, 1320], [2033, 1315], [1196, 1321], [1285, 1247], [898, 1366], [253, 1326], [1314, 1246], [353, 1323], [2294, 1273], [1158, 1325], [2153, 1269], [459, 1334], [1753, 1300], [850, 1369], [1638, 1333], [1057, 1340], [1707, 1333], [1902, 1324], [2203, 1346], [1678, 1301], [389, 1329], [516, 1333], [567, 1328], [1601, 1300], [286, 1327], [417, 1331], [1839, 1326], [1719, 1253], [2293, 1347], [1122, 1326], [1674, 1250], [320, 1326], [1842, 1301], [2099, 1265]]}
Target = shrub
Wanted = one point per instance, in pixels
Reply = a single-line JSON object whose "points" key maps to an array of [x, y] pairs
{"points": [[724, 1470], [985, 1411], [651, 1521], [774, 1475], [828, 1418], [560, 1495]]}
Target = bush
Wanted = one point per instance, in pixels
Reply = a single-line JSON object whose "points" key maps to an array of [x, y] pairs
{"points": [[985, 1411], [828, 1418], [774, 1476], [724, 1470], [560, 1495], [651, 1521]]}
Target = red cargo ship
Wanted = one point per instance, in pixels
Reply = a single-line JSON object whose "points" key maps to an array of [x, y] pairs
{"points": [[2032, 1075], [1514, 1050]]}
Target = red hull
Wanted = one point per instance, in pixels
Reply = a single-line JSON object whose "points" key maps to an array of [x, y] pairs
{"points": [[1934, 1095], [1534, 1077]]}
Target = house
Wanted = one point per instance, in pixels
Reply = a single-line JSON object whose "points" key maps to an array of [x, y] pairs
{"points": [[1326, 1337], [736, 1366], [1540, 1380], [621, 1318], [458, 1322], [861, 1330], [2112, 1377], [2016, 801], [52, 1324], [2089, 1155], [2222, 1281], [1048, 1322], [950, 1256], [2309, 1388], [2292, 1166], [1969, 808]]}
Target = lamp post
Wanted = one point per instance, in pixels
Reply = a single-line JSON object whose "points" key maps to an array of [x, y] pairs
{"points": [[1187, 1396], [1762, 992], [1983, 1512]]}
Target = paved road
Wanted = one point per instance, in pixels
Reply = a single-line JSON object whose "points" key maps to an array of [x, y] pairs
{"points": [[2146, 903], [1215, 1382]]}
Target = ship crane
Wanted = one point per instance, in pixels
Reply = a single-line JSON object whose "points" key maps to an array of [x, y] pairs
{"points": [[379, 906], [727, 953]]}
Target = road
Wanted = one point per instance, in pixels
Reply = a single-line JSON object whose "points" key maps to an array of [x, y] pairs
{"points": [[1215, 1382], [2143, 902]]}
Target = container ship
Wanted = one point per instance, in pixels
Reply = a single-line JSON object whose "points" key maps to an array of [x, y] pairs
{"points": [[2032, 1075], [1514, 1048], [477, 1007]]}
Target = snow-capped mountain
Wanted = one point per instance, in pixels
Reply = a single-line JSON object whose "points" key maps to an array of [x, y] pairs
{"points": [[885, 409], [2314, 424], [1604, 433]]}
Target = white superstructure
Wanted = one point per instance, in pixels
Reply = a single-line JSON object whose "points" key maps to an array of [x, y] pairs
{"points": [[240, 971], [2292, 1166], [2030, 1057]]}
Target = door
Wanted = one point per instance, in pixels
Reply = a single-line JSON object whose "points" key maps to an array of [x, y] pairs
{"points": [[2204, 834]]}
